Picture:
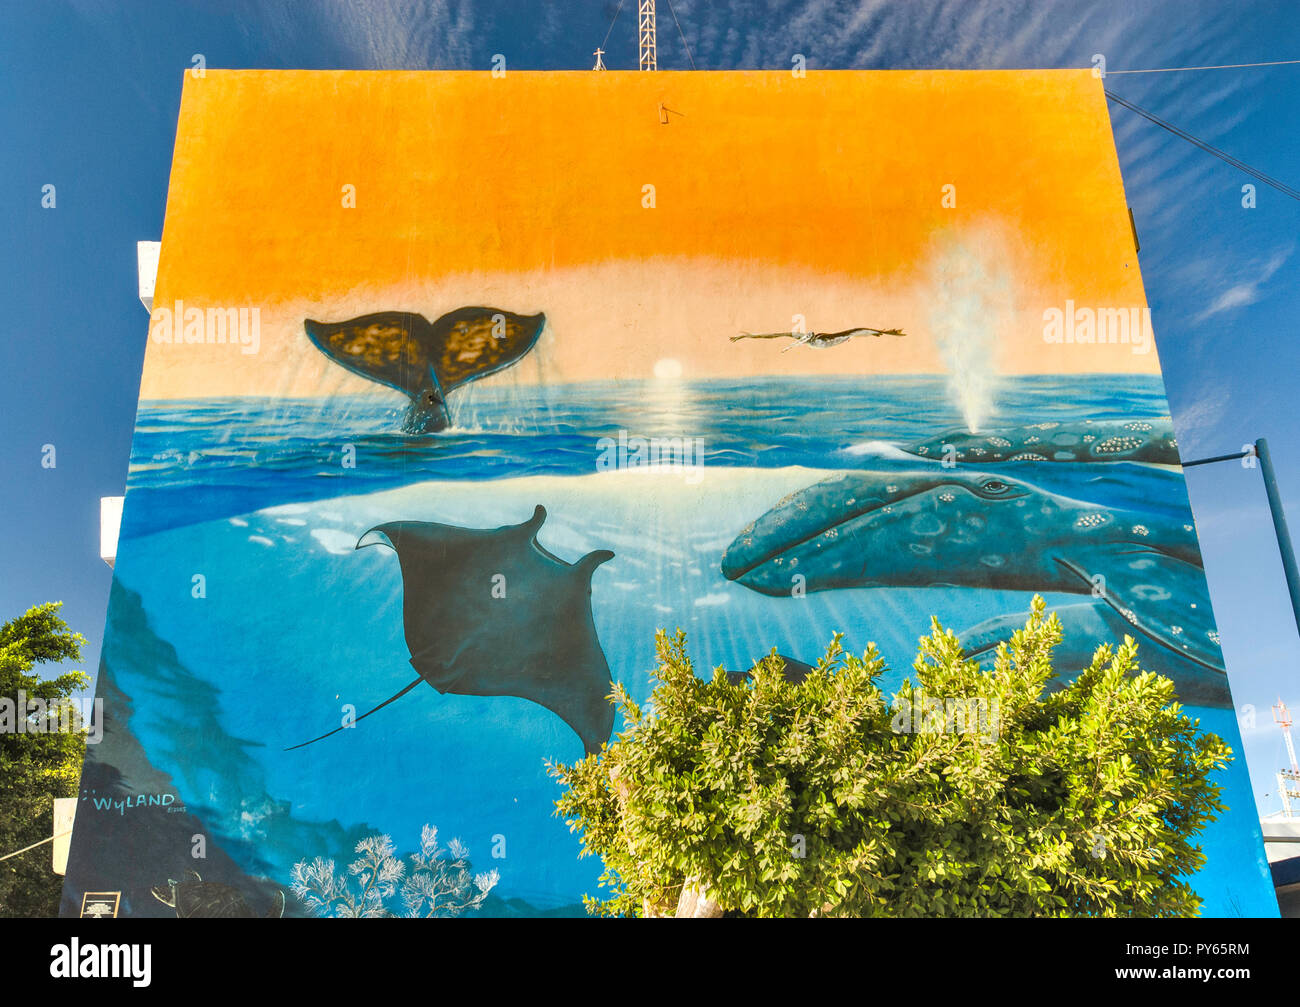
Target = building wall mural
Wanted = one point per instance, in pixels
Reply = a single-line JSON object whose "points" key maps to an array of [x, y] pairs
{"points": [[459, 386]]}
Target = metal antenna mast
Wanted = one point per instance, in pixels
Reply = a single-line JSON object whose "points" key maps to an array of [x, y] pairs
{"points": [[646, 34], [1286, 780]]}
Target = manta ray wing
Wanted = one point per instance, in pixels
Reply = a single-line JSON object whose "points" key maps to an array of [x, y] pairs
{"points": [[492, 613]]}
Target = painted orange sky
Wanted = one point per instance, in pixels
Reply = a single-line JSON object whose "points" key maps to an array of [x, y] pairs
{"points": [[774, 197]]}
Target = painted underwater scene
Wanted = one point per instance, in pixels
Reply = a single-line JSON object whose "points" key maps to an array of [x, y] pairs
{"points": [[531, 372], [295, 620]]}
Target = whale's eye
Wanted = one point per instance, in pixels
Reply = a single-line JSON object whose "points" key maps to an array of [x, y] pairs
{"points": [[997, 488]]}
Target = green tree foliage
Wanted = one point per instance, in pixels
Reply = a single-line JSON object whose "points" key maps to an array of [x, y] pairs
{"points": [[827, 798], [36, 764]]}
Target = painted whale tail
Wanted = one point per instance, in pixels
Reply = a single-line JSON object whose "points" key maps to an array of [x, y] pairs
{"points": [[427, 360]]}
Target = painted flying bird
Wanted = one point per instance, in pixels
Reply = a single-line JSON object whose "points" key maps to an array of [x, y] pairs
{"points": [[819, 340]]}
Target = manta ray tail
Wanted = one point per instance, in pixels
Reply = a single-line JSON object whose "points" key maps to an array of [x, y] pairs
{"points": [[360, 718]]}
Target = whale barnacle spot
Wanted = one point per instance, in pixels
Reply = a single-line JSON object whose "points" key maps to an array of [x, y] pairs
{"points": [[928, 524]]}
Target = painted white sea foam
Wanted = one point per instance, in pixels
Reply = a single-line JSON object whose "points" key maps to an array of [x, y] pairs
{"points": [[279, 510], [335, 541], [881, 449], [580, 513]]}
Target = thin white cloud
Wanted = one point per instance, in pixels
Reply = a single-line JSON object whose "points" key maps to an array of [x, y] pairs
{"points": [[1247, 290], [381, 35], [1197, 419]]}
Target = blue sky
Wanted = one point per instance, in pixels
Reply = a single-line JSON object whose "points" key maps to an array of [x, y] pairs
{"points": [[89, 94]]}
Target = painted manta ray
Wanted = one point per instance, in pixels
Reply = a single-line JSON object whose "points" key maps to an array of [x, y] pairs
{"points": [[1137, 440], [427, 361], [1138, 562], [534, 638]]}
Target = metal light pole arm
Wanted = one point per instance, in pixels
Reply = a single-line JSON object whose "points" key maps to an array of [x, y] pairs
{"points": [[1279, 526]]}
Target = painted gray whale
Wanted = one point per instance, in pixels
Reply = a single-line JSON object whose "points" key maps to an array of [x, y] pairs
{"points": [[1085, 625], [1145, 439], [427, 360], [969, 528]]}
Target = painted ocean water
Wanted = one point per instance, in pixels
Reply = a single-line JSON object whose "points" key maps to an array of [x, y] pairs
{"points": [[265, 500], [193, 460]]}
